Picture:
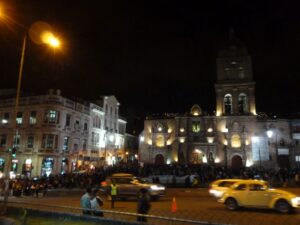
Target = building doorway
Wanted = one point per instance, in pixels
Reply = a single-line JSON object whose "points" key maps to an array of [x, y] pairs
{"points": [[236, 162], [159, 160]]}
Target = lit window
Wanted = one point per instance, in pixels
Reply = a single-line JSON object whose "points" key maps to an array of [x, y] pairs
{"points": [[160, 141], [235, 141], [51, 116], [209, 130], [19, 119], [228, 104], [181, 140], [66, 143], [196, 127], [32, 118], [181, 130], [297, 158]]}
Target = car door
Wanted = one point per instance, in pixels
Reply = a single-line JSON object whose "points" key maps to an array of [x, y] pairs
{"points": [[258, 195], [240, 194]]}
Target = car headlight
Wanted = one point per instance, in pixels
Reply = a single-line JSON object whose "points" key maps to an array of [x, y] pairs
{"points": [[157, 188], [296, 201], [216, 193]]}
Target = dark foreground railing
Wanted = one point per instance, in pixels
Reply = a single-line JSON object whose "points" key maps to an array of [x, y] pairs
{"points": [[30, 214]]}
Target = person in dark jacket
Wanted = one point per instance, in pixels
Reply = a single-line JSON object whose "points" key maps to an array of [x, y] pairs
{"points": [[143, 205]]}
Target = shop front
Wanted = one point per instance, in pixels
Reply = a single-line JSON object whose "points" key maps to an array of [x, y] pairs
{"points": [[27, 168], [47, 166]]}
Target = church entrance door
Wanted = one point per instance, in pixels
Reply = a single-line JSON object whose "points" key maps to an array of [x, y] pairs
{"points": [[159, 160], [236, 162]]}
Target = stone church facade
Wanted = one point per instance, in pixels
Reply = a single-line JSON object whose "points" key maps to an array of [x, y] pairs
{"points": [[234, 136]]}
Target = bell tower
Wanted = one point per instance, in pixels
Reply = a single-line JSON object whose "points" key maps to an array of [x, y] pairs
{"points": [[235, 86]]}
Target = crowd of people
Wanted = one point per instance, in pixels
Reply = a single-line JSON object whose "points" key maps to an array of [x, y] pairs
{"points": [[91, 180], [39, 186]]}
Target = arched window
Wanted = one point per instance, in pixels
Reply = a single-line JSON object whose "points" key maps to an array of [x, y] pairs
{"points": [[235, 141], [160, 141], [243, 103], [228, 103]]}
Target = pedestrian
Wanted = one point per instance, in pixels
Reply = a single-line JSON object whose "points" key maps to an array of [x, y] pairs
{"points": [[96, 203], [85, 202], [144, 205], [113, 193]]}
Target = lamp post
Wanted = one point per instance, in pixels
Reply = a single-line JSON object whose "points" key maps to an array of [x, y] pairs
{"points": [[46, 38]]}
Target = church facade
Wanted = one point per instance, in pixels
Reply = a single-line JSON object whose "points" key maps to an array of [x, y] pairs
{"points": [[234, 136]]}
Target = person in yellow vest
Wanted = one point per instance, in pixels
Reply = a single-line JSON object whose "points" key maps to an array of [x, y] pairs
{"points": [[113, 193]]}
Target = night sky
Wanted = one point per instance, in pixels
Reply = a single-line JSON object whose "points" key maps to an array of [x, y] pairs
{"points": [[155, 56]]}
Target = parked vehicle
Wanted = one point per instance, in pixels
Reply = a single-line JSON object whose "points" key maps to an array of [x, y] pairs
{"points": [[171, 179], [257, 194], [130, 186]]}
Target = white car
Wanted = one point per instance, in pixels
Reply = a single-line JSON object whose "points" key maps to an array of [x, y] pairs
{"points": [[168, 179]]}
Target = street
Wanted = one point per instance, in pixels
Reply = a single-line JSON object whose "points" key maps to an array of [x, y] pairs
{"points": [[192, 204]]}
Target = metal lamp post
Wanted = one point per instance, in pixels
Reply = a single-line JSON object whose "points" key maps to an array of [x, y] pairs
{"points": [[53, 42]]}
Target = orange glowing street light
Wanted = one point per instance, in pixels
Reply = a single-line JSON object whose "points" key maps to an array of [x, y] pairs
{"points": [[40, 33]]}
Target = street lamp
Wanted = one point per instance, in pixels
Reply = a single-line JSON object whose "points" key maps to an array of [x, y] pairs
{"points": [[45, 38]]}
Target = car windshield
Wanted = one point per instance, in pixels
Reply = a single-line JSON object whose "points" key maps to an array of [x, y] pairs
{"points": [[141, 180]]}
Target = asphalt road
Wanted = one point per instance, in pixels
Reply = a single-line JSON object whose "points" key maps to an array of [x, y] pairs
{"points": [[192, 204]]}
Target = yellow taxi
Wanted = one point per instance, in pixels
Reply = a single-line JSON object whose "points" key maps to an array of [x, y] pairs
{"points": [[218, 187], [257, 194]]}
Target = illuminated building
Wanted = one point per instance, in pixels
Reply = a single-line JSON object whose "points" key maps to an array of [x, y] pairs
{"points": [[226, 136], [58, 135]]}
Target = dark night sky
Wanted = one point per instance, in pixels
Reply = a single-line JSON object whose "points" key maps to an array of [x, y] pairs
{"points": [[155, 56]]}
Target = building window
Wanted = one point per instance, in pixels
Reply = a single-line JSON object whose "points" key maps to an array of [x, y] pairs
{"points": [[243, 103], [196, 127], [32, 118], [49, 141], [51, 116], [85, 127], [235, 141], [160, 141], [297, 142], [3, 140], [84, 144], [76, 125], [75, 148], [95, 138], [5, 119], [17, 140], [66, 143], [297, 158], [19, 119], [30, 141], [228, 104], [68, 120]]}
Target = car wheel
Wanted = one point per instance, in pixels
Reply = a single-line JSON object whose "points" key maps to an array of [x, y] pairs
{"points": [[283, 206], [231, 204]]}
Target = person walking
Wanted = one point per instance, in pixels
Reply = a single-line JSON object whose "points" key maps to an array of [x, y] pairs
{"points": [[113, 193], [96, 203], [144, 205], [85, 202]]}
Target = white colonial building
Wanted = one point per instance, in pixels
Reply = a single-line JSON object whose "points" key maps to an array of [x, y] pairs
{"points": [[54, 134], [234, 135]]}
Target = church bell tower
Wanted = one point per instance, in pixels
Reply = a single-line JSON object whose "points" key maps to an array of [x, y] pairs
{"points": [[235, 86]]}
